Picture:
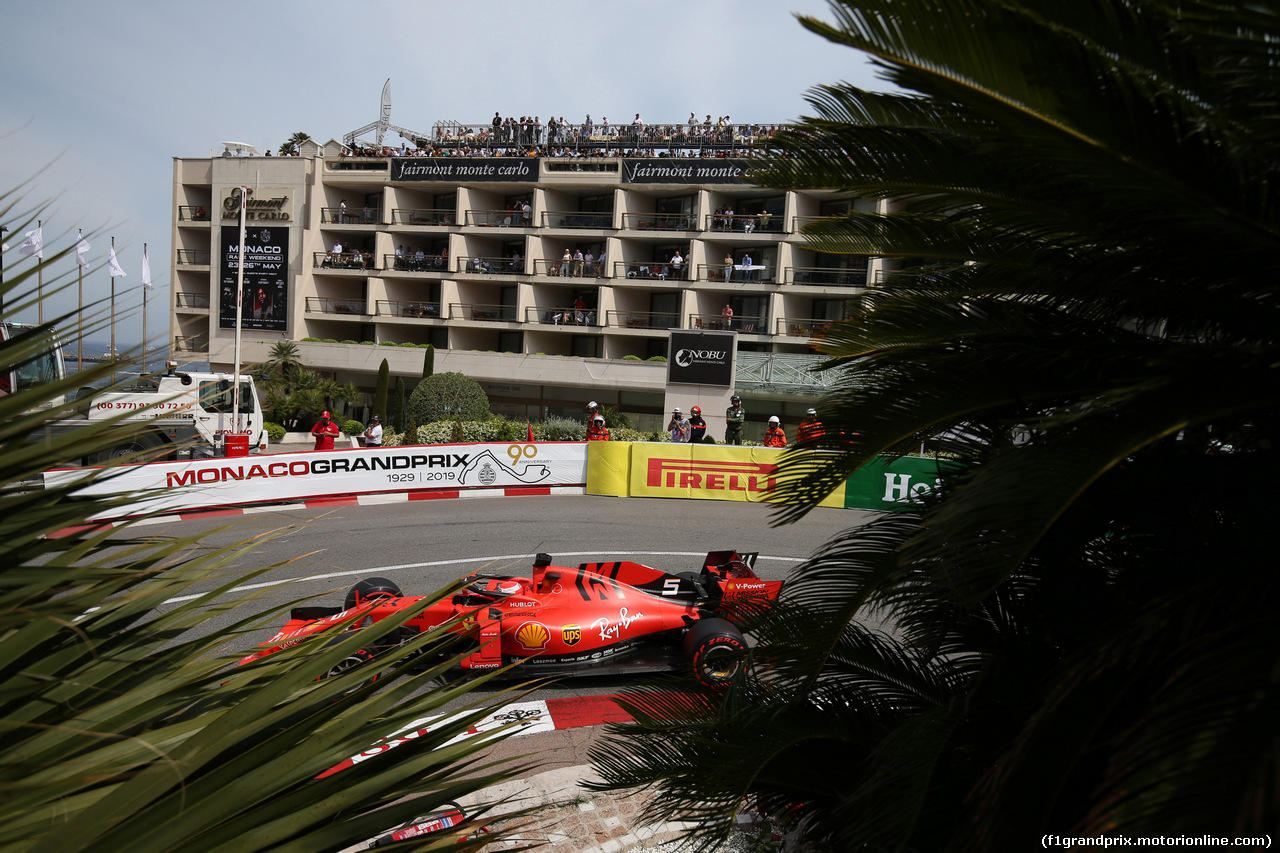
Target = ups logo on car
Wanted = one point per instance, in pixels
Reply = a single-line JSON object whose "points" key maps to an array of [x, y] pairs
{"points": [[571, 634]]}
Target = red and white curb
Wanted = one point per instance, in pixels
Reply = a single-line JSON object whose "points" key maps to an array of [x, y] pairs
{"points": [[514, 720], [331, 501]]}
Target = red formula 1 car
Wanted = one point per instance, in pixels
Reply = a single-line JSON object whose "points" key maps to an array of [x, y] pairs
{"points": [[594, 619]]}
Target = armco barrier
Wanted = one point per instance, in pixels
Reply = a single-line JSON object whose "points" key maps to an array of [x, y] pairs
{"points": [[204, 483], [719, 472]]}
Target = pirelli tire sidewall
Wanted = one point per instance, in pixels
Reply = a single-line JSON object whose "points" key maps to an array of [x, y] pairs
{"points": [[713, 649]]}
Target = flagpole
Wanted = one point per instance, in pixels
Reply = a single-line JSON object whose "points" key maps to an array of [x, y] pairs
{"points": [[146, 285], [40, 275], [112, 354], [235, 393], [80, 315]]}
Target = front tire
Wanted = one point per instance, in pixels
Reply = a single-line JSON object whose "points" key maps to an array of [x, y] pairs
{"points": [[370, 588], [713, 647]]}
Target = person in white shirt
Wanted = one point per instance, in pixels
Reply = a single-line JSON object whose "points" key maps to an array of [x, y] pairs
{"points": [[677, 265], [373, 433]]}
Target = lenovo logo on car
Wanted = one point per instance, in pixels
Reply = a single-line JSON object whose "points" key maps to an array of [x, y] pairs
{"points": [[712, 476], [689, 357]]}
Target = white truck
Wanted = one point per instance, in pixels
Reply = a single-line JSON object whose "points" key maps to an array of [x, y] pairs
{"points": [[177, 414]]}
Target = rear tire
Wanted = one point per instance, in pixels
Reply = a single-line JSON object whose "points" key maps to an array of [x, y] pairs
{"points": [[138, 448], [370, 588], [713, 648]]}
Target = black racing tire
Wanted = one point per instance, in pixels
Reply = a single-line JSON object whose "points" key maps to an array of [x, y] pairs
{"points": [[360, 657], [713, 647], [374, 587]]}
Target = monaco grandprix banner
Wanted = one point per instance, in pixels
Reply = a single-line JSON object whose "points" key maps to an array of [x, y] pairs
{"points": [[197, 484]]}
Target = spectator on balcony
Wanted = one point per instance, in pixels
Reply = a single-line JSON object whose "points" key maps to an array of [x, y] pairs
{"points": [[728, 266], [566, 263], [601, 268], [586, 127], [577, 263], [335, 256], [342, 211], [775, 436], [727, 316], [764, 218], [589, 263], [677, 265], [579, 310], [526, 214], [517, 262], [553, 130]]}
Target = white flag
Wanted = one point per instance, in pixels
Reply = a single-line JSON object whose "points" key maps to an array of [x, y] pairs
{"points": [[146, 270], [82, 253], [113, 266], [34, 244]]}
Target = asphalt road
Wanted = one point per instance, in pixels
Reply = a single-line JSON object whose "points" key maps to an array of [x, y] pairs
{"points": [[423, 545]]}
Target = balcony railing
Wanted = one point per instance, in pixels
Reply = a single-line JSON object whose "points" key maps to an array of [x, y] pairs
{"points": [[190, 300], [641, 320], [569, 268], [660, 221], [561, 316], [351, 215], [826, 276], [581, 219], [329, 305], [413, 262], [423, 216], [490, 266], [401, 308], [193, 213], [652, 270], [794, 327], [342, 260], [683, 134], [194, 343], [744, 325], [193, 257], [485, 313], [745, 223], [738, 274], [500, 218]]}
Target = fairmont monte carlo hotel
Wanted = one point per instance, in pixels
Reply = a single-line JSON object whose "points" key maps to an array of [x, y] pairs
{"points": [[551, 262]]}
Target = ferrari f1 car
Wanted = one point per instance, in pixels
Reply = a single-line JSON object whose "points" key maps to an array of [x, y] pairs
{"points": [[597, 618]]}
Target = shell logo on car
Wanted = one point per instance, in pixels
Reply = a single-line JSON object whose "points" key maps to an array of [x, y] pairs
{"points": [[533, 636]]}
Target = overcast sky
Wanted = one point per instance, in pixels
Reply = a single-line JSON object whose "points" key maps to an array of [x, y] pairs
{"points": [[101, 96]]}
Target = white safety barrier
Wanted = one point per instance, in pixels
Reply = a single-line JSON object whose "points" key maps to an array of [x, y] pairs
{"points": [[205, 483]]}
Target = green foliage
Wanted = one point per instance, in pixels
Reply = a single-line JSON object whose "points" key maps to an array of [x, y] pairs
{"points": [[411, 432], [275, 431], [290, 145], [661, 358], [388, 344], [615, 418], [632, 358], [429, 361], [127, 724], [352, 428], [1081, 627], [397, 404], [292, 395], [448, 395], [560, 429], [382, 390]]}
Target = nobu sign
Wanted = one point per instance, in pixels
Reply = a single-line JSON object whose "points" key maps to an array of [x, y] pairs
{"points": [[701, 358]]}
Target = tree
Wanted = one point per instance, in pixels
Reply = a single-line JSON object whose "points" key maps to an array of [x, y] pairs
{"points": [[293, 396], [381, 391], [125, 720], [290, 145], [398, 405], [1081, 636], [448, 396], [429, 362]]}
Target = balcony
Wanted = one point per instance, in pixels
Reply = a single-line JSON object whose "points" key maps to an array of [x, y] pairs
{"points": [[194, 343], [193, 257], [342, 261], [738, 274], [641, 320], [351, 216], [745, 223], [415, 262], [190, 300], [560, 316], [718, 322], [482, 313], [794, 327], [659, 222], [490, 266], [192, 213], [569, 269], [423, 216], [329, 305], [599, 220], [500, 218], [414, 310], [826, 276], [648, 270]]}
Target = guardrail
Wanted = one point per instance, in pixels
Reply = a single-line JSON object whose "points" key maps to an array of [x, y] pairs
{"points": [[745, 325], [641, 320], [490, 266], [826, 276], [402, 308], [423, 216], [193, 257], [482, 313], [415, 263], [331, 305], [577, 219], [190, 300], [343, 261], [569, 268], [560, 316]]}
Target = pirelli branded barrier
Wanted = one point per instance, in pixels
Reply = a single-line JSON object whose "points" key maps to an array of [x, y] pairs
{"points": [[199, 484], [718, 472]]}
